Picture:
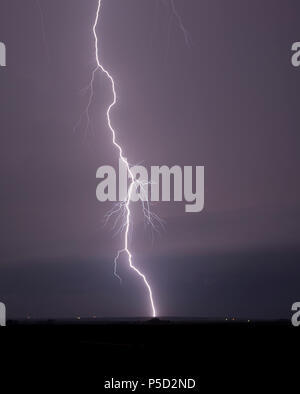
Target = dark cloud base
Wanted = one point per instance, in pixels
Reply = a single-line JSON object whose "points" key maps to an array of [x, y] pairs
{"points": [[259, 284]]}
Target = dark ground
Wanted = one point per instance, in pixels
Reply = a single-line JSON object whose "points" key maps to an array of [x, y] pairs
{"points": [[228, 355]]}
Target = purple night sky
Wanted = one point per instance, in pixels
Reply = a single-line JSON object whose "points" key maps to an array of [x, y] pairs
{"points": [[229, 102]]}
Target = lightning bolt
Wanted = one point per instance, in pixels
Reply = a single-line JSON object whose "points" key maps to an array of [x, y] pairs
{"points": [[133, 181]]}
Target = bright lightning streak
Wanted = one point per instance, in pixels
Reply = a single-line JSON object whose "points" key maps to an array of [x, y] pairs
{"points": [[134, 182]]}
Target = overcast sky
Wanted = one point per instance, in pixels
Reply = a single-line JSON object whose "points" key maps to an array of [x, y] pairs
{"points": [[229, 102]]}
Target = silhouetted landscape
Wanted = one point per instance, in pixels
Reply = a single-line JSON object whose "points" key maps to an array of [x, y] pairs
{"points": [[143, 346]]}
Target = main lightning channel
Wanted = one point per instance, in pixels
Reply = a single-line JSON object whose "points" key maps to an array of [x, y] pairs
{"points": [[133, 181]]}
